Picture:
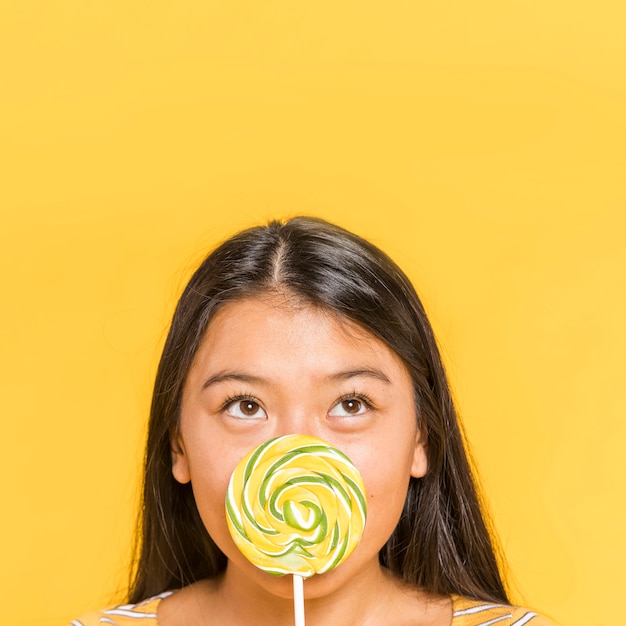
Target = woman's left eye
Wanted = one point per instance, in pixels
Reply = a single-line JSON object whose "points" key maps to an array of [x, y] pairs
{"points": [[347, 407]]}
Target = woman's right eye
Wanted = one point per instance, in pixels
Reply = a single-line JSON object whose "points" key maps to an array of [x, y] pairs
{"points": [[245, 408]]}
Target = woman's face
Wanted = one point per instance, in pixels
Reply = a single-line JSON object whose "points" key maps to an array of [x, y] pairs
{"points": [[268, 367]]}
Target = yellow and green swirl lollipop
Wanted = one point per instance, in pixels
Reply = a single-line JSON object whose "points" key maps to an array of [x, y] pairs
{"points": [[296, 505]]}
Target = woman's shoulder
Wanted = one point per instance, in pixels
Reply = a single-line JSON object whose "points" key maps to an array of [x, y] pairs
{"points": [[124, 614], [468, 612]]}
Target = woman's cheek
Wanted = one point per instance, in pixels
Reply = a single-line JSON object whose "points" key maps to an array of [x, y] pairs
{"points": [[386, 496]]}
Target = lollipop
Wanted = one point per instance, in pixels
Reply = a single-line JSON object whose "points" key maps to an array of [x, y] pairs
{"points": [[296, 505]]}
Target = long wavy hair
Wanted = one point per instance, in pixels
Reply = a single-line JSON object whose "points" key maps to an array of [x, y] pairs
{"points": [[442, 542]]}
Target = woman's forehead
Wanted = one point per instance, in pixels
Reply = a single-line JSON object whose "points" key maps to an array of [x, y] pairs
{"points": [[258, 328]]}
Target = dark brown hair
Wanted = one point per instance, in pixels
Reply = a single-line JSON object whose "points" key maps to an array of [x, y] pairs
{"points": [[441, 542]]}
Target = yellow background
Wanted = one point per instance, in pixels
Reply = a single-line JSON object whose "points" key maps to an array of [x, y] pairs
{"points": [[482, 144]]}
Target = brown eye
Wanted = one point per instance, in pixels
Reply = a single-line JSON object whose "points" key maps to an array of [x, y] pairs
{"points": [[245, 408], [347, 407], [351, 406]]}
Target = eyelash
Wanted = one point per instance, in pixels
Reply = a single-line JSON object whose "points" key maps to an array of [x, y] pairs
{"points": [[239, 398], [355, 395]]}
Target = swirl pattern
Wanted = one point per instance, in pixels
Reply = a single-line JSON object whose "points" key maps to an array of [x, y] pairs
{"points": [[296, 505]]}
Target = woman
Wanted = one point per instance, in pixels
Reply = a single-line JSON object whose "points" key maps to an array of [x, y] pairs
{"points": [[303, 327]]}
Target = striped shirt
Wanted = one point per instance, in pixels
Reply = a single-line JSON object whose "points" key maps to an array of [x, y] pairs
{"points": [[466, 612]]}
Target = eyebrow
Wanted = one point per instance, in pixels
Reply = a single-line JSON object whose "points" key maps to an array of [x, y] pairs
{"points": [[222, 376], [365, 372], [259, 380]]}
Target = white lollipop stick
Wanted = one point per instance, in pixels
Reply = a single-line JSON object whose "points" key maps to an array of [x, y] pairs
{"points": [[298, 599]]}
